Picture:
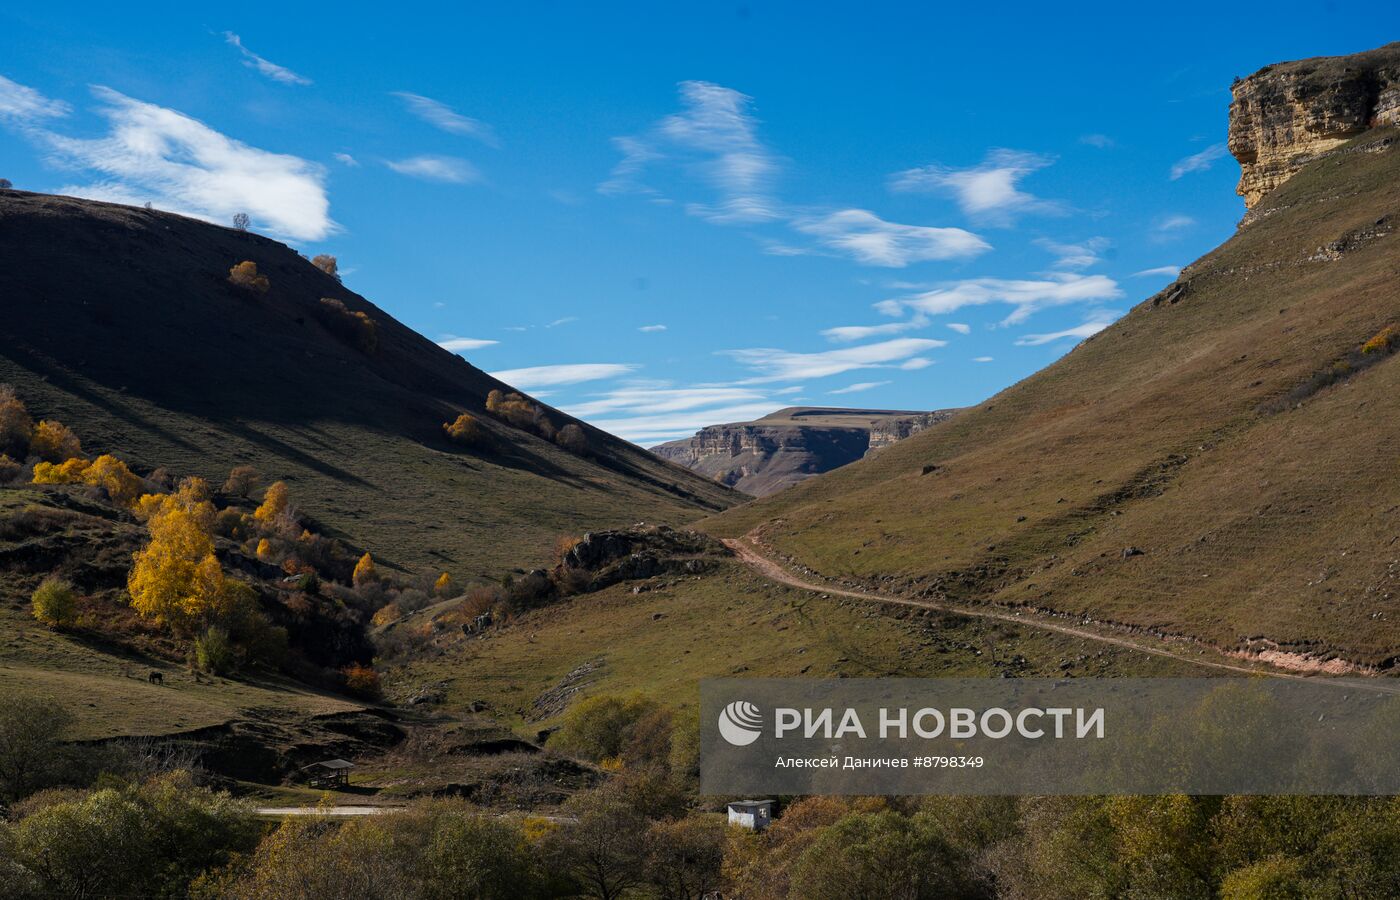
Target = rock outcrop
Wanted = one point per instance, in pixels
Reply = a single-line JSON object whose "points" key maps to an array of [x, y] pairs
{"points": [[1287, 115], [896, 428], [781, 449]]}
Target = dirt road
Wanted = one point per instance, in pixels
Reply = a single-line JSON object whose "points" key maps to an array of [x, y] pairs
{"points": [[754, 558]]}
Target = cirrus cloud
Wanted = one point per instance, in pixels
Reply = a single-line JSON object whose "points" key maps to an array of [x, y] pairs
{"points": [[178, 163], [784, 365], [531, 377], [1024, 295], [445, 118], [448, 169], [262, 66]]}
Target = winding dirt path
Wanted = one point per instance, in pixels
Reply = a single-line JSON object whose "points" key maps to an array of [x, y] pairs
{"points": [[747, 550]]}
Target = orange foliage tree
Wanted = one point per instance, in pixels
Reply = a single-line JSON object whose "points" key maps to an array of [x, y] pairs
{"points": [[242, 481], [443, 586], [15, 424], [276, 504], [245, 275], [465, 430], [327, 263], [54, 442], [364, 571]]}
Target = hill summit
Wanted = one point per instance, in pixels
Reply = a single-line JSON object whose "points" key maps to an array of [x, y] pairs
{"points": [[174, 342]]}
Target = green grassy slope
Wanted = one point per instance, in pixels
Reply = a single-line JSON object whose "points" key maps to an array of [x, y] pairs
{"points": [[121, 323], [1257, 527], [734, 623]]}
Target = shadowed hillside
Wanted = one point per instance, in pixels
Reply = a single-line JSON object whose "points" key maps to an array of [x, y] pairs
{"points": [[123, 323], [1221, 463]]}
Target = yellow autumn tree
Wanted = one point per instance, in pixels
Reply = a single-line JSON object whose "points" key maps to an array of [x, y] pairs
{"points": [[70, 472], [443, 585], [176, 579], [264, 551], [275, 503], [54, 442], [113, 476], [364, 571]]}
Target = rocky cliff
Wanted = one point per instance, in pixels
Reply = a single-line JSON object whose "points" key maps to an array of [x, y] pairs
{"points": [[1286, 115], [781, 449]]}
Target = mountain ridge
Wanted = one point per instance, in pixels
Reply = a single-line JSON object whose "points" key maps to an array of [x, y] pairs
{"points": [[794, 443], [123, 323]]}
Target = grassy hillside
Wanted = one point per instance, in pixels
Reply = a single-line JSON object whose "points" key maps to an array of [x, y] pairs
{"points": [[1261, 503], [676, 630], [122, 323]]}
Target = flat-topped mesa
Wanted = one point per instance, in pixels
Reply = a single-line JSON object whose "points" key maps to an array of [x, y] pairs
{"points": [[1285, 115]]}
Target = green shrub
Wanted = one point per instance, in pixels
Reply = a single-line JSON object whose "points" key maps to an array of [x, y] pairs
{"points": [[634, 729], [148, 840], [214, 652], [55, 603]]}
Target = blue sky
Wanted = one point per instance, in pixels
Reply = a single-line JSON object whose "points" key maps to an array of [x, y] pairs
{"points": [[661, 216]]}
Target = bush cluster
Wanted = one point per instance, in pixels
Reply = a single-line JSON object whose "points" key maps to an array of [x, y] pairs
{"points": [[526, 415], [353, 327], [245, 276]]}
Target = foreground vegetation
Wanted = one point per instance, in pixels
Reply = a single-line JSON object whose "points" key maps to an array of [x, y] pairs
{"points": [[103, 822]]}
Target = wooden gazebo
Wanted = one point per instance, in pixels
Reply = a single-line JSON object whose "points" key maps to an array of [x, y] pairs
{"points": [[330, 773]]}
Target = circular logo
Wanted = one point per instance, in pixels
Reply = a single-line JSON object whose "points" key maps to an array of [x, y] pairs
{"points": [[740, 723]]}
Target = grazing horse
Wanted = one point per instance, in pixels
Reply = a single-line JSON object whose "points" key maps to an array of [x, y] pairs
{"points": [[156, 678]]}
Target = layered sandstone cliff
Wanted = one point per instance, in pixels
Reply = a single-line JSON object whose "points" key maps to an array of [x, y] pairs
{"points": [[781, 449], [1287, 115]]}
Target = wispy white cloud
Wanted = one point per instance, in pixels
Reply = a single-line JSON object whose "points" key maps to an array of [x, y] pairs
{"points": [[858, 387], [564, 321], [1025, 296], [21, 104], [784, 365], [960, 327], [862, 332], [346, 159], [651, 329], [983, 359], [1159, 272], [178, 163], [652, 429], [1077, 256], [1079, 332], [553, 376], [445, 118], [987, 192], [714, 138], [783, 392], [1101, 141], [263, 66], [449, 169], [1168, 226], [1197, 162], [650, 399], [868, 239], [913, 365], [458, 344]]}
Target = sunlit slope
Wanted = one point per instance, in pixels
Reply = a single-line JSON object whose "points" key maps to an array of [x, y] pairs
{"points": [[121, 322], [1257, 520]]}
